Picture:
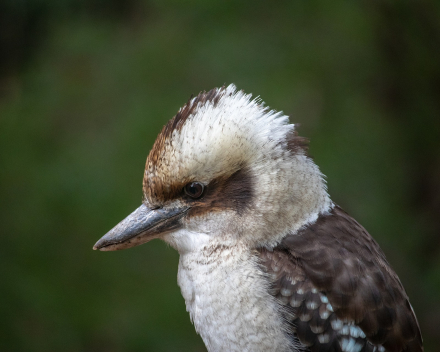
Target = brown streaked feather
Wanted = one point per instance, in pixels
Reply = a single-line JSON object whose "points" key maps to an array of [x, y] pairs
{"points": [[337, 259], [296, 143], [153, 186], [213, 96]]}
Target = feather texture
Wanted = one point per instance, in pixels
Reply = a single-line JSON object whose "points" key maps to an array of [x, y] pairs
{"points": [[339, 289]]}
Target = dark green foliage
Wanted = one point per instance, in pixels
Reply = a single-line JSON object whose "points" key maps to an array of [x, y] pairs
{"points": [[85, 87]]}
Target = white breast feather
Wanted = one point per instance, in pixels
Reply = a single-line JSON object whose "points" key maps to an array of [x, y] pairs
{"points": [[229, 304]]}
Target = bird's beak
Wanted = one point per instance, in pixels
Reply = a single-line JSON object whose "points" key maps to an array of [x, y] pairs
{"points": [[141, 226]]}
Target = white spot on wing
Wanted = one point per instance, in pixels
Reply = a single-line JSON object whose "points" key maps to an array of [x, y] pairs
{"points": [[325, 314], [357, 347], [324, 338], [312, 305], [345, 330], [286, 292], [336, 324], [356, 331], [295, 303]]}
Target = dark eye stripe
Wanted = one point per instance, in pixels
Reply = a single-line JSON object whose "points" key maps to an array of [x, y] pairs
{"points": [[194, 189]]}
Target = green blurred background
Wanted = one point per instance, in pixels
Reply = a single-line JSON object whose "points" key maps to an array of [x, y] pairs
{"points": [[85, 87]]}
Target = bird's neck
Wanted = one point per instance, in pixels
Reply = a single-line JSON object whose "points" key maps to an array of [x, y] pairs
{"points": [[227, 297]]}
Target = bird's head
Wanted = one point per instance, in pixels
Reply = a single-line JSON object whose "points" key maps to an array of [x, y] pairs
{"points": [[224, 170]]}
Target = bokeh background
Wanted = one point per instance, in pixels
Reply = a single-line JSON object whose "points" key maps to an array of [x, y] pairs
{"points": [[85, 87]]}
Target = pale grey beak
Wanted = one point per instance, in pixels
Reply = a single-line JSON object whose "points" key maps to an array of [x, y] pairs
{"points": [[141, 226]]}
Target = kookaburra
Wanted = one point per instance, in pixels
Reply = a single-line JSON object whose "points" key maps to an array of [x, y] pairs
{"points": [[267, 261]]}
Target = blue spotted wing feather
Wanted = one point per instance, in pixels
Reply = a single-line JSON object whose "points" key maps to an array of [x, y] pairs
{"points": [[338, 290]]}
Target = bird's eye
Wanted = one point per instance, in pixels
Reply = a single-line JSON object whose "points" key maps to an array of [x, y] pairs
{"points": [[194, 189]]}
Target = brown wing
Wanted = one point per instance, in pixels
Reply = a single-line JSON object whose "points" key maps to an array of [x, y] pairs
{"points": [[341, 293]]}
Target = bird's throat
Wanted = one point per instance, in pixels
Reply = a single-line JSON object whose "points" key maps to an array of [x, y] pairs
{"points": [[227, 297]]}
